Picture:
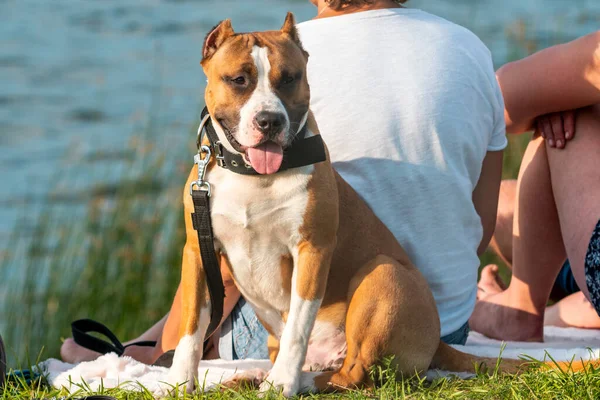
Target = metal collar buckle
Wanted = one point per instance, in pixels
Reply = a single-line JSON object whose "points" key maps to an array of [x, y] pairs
{"points": [[218, 147]]}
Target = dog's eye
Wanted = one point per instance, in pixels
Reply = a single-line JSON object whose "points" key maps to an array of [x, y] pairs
{"points": [[287, 79], [240, 80]]}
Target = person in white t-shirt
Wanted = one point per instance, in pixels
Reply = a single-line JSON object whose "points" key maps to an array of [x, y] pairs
{"points": [[413, 116]]}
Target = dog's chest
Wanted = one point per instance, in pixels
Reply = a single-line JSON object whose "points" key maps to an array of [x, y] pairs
{"points": [[257, 222]]}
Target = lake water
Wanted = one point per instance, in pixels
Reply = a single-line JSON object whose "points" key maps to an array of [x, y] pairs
{"points": [[78, 78]]}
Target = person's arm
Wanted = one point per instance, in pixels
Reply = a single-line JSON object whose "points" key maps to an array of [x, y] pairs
{"points": [[169, 334], [485, 196], [559, 78]]}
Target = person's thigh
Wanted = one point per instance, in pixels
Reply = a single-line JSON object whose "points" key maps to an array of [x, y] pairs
{"points": [[575, 174]]}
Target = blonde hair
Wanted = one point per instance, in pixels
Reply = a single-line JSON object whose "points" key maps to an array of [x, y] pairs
{"points": [[339, 4]]}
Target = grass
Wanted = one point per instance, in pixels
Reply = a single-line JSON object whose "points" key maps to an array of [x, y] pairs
{"points": [[535, 384]]}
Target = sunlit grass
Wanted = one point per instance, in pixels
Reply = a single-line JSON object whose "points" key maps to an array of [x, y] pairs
{"points": [[534, 384]]}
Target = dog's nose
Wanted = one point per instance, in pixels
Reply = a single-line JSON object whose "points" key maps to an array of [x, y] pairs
{"points": [[269, 122]]}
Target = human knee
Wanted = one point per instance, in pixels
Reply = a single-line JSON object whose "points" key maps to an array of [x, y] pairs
{"points": [[588, 119]]}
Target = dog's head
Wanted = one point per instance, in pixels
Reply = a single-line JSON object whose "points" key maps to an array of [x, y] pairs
{"points": [[257, 91]]}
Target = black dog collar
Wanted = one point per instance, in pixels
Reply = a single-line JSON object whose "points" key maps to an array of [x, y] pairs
{"points": [[303, 151]]}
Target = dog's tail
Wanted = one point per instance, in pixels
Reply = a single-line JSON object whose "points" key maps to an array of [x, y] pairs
{"points": [[447, 358]]}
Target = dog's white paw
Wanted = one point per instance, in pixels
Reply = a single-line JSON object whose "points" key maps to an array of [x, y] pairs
{"points": [[251, 377], [281, 380], [177, 381]]}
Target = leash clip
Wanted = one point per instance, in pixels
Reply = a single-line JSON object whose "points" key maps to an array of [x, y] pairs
{"points": [[202, 162]]}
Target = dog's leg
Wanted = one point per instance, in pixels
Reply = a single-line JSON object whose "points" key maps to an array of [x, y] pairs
{"points": [[309, 280], [273, 347], [195, 317], [390, 313]]}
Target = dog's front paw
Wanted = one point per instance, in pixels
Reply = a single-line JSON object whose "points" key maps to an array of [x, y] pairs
{"points": [[177, 381], [281, 380], [249, 378]]}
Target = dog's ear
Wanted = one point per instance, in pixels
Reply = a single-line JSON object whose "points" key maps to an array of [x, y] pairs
{"points": [[216, 37], [289, 28]]}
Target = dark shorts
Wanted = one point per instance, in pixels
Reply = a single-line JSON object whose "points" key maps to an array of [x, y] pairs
{"points": [[565, 281]]}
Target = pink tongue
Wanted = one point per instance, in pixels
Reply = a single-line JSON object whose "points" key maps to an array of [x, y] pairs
{"points": [[266, 158]]}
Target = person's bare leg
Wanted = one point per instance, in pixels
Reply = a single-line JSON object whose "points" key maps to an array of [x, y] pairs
{"points": [[502, 241], [538, 253], [576, 187], [573, 311], [489, 282], [169, 336]]}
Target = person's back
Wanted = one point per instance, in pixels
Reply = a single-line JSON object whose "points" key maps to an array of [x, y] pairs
{"points": [[408, 105]]}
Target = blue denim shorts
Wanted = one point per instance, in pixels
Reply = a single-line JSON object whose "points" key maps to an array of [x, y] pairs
{"points": [[243, 336]]}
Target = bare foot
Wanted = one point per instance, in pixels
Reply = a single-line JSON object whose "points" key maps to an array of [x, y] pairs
{"points": [[490, 282], [73, 353], [573, 311], [500, 315]]}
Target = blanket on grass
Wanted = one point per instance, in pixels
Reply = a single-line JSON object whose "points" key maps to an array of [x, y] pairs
{"points": [[108, 371]]}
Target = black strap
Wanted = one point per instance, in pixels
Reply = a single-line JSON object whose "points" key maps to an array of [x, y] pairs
{"points": [[212, 270], [303, 151], [81, 327]]}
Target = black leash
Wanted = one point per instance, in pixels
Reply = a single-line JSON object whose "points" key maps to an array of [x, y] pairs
{"points": [[81, 335], [81, 328], [200, 190], [210, 264], [303, 151]]}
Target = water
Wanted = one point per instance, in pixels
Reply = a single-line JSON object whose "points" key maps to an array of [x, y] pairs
{"points": [[78, 78]]}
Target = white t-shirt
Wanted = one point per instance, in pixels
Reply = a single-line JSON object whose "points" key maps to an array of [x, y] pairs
{"points": [[408, 105]]}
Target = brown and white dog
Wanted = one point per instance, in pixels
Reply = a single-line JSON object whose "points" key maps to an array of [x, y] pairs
{"points": [[328, 280]]}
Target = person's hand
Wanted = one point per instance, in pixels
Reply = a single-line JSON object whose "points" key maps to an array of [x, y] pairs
{"points": [[557, 128]]}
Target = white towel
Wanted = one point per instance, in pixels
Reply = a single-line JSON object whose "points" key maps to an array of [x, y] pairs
{"points": [[108, 371]]}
